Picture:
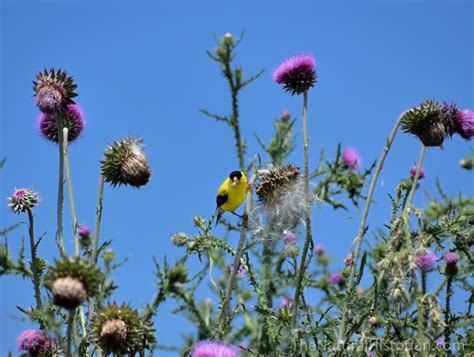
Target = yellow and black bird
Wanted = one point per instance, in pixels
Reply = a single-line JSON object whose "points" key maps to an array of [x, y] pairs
{"points": [[231, 193]]}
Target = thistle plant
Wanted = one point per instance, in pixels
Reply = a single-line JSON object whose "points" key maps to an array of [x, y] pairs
{"points": [[264, 294]]}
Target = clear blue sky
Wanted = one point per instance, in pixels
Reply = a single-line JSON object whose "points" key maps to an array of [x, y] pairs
{"points": [[142, 70]]}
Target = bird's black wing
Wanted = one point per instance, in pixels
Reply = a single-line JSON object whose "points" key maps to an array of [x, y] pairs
{"points": [[221, 199]]}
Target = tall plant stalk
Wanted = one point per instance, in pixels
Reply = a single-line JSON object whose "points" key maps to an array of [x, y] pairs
{"points": [[309, 237], [69, 333], [362, 227], [70, 190], [34, 260], [224, 319], [98, 220], [59, 212]]}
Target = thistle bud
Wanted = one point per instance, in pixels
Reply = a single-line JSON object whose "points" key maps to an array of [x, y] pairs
{"points": [[53, 90], [114, 331], [108, 256], [68, 292], [451, 259], [228, 39], [125, 163], [467, 163], [179, 239], [285, 116], [71, 281], [23, 200], [427, 121], [121, 330]]}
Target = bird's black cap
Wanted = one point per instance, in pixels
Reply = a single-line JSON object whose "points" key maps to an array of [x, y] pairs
{"points": [[237, 174]]}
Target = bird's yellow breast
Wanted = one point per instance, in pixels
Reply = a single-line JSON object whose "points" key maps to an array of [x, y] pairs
{"points": [[235, 194]]}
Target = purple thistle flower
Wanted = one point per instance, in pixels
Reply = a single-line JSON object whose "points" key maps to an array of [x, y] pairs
{"points": [[351, 158], [285, 116], [296, 73], [34, 342], [213, 349], [465, 123], [240, 271], [84, 231], [335, 278], [440, 343], [319, 250], [413, 172], [425, 261], [286, 302], [451, 258], [23, 200], [73, 119], [289, 237]]}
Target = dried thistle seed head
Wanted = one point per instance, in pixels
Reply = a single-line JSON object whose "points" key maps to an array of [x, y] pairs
{"points": [[428, 121], [53, 90], [282, 195], [273, 182], [72, 280], [114, 331], [121, 330], [68, 292], [125, 163], [23, 200], [72, 118]]}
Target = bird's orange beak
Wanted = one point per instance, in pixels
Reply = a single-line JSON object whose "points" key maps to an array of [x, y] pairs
{"points": [[236, 181]]}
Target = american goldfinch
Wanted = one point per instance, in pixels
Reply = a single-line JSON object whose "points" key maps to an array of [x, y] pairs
{"points": [[231, 193]]}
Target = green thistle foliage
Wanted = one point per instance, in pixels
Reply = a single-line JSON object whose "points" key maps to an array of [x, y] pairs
{"points": [[77, 269], [125, 163], [121, 330], [283, 142], [428, 121]]}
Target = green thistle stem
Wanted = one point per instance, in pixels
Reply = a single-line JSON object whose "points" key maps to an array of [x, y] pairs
{"points": [[362, 227], [447, 311], [34, 261], [98, 219], [309, 237], [60, 237], [70, 191], [70, 328], [415, 178], [224, 319]]}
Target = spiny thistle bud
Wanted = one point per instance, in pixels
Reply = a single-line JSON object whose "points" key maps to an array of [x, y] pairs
{"points": [[467, 163], [336, 278], [427, 121], [23, 200], [71, 118], [351, 158], [348, 259], [296, 73], [281, 192], [228, 39], [291, 251], [179, 239], [289, 237], [84, 233], [121, 330], [178, 274], [451, 259], [71, 281], [413, 172], [125, 163], [108, 256], [319, 250], [53, 90]]}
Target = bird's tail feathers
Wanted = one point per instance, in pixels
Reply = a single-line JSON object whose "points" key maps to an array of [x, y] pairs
{"points": [[218, 215]]}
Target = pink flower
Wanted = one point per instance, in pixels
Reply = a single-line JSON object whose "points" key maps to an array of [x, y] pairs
{"points": [[84, 231], [465, 124], [425, 261], [286, 302], [351, 158], [319, 249], [34, 342], [413, 172], [289, 237], [73, 118], [296, 73], [451, 258], [335, 278], [213, 349]]}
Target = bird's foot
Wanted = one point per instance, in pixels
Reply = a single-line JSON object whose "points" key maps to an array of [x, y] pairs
{"points": [[236, 214]]}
